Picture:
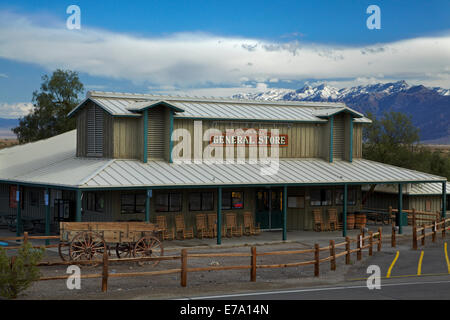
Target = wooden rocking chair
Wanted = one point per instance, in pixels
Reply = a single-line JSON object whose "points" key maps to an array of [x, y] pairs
{"points": [[249, 225], [318, 222], [212, 224], [181, 228], [202, 226], [231, 227], [333, 221], [167, 234]]}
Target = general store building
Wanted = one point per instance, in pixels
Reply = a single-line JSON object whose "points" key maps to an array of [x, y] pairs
{"points": [[118, 165]]}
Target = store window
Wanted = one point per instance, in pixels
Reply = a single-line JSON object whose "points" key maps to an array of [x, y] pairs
{"points": [[321, 197], [232, 200], [34, 198], [95, 202], [297, 202], [166, 202], [351, 197], [132, 203], [201, 201]]}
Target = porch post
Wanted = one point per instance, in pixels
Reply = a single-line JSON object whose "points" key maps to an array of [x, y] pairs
{"points": [[79, 203], [444, 199], [284, 212], [344, 213], [19, 212], [400, 209], [145, 151], [47, 214], [219, 215], [147, 205]]}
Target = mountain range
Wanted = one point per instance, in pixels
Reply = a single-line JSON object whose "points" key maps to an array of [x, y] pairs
{"points": [[429, 107]]}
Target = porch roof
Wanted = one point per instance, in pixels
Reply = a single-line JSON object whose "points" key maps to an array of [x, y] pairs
{"points": [[53, 162]]}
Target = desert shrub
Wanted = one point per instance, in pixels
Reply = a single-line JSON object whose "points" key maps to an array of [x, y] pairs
{"points": [[18, 273]]}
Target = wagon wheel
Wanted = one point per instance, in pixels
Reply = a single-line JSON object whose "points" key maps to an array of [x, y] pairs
{"points": [[148, 246], [63, 250], [124, 250], [87, 246]]}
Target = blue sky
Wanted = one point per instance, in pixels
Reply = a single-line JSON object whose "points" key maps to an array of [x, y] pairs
{"points": [[220, 47]]}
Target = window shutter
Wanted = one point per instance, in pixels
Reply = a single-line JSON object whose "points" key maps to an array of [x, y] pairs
{"points": [[95, 132]]}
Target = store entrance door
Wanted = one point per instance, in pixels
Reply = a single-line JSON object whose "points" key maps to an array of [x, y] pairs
{"points": [[269, 208]]}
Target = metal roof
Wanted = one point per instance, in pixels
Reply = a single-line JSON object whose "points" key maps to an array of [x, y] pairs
{"points": [[127, 104], [53, 162], [413, 189]]}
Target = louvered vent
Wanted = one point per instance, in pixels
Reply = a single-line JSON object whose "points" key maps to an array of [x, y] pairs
{"points": [[338, 137], [156, 127], [95, 132]]}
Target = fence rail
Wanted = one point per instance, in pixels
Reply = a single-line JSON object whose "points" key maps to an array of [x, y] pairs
{"points": [[372, 238], [434, 227]]}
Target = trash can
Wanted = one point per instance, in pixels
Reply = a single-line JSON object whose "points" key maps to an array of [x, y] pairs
{"points": [[404, 218]]}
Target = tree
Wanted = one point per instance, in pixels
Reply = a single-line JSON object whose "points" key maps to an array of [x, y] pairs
{"points": [[18, 273], [58, 95], [395, 140]]}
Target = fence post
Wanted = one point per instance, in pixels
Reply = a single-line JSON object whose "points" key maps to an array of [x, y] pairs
{"points": [[414, 237], [359, 252], [433, 235], [370, 243], [183, 267], [363, 235], [393, 240], [414, 217], [333, 256], [423, 234], [317, 259], [347, 249], [105, 271], [443, 227], [25, 237], [253, 265], [379, 239]]}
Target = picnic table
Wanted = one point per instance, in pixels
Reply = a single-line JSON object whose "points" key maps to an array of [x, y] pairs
{"points": [[376, 216]]}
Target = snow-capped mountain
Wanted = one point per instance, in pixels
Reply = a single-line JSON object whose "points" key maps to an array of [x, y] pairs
{"points": [[429, 107]]}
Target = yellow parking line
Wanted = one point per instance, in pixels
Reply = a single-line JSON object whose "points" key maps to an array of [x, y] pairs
{"points": [[446, 257], [388, 275], [419, 267]]}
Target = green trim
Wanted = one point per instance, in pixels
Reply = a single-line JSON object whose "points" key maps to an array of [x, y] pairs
{"points": [[285, 213], [353, 113], [219, 215], [39, 185], [344, 212], [147, 206], [444, 200], [78, 204], [159, 103], [170, 136], [19, 212], [47, 214], [350, 158], [331, 139], [145, 136], [400, 208], [250, 185]]}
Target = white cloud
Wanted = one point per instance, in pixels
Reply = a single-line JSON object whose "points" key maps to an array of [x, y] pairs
{"points": [[199, 60], [15, 110], [3, 75]]}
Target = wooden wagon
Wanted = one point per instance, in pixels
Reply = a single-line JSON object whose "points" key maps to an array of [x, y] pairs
{"points": [[89, 240]]}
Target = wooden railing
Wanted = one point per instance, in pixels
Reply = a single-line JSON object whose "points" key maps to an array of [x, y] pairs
{"points": [[25, 238], [334, 250], [415, 217], [435, 227]]}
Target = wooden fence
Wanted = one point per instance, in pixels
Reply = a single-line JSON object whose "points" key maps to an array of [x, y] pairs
{"points": [[417, 217], [334, 250], [435, 227]]}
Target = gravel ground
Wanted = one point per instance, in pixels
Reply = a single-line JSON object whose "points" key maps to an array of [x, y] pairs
{"points": [[198, 283]]}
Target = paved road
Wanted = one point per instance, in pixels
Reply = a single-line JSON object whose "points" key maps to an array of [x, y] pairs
{"points": [[405, 274]]}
